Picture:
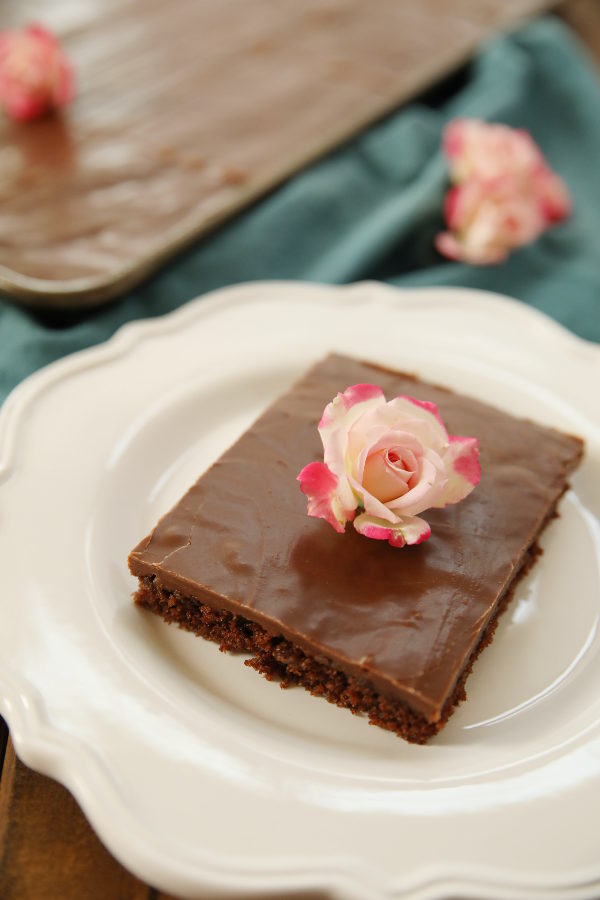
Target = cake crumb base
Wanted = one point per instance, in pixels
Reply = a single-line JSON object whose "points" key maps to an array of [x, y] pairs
{"points": [[277, 658]]}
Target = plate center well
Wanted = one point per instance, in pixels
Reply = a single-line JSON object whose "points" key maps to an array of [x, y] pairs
{"points": [[522, 685]]}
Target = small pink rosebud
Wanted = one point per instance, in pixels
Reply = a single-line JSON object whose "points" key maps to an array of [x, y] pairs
{"points": [[504, 195], [477, 149], [35, 75]]}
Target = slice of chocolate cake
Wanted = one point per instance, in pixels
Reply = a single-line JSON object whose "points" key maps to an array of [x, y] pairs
{"points": [[389, 632]]}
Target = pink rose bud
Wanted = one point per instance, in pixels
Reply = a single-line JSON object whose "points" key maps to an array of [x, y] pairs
{"points": [[505, 193], [35, 75], [477, 149], [389, 462]]}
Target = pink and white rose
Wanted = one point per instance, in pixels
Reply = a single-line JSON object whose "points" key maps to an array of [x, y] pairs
{"points": [[477, 149], [388, 461], [35, 75], [505, 195]]}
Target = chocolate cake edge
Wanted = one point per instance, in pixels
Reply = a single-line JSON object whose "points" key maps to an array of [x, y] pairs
{"points": [[277, 658]]}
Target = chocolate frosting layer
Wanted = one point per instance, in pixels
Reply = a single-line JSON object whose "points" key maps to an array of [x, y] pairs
{"points": [[409, 618]]}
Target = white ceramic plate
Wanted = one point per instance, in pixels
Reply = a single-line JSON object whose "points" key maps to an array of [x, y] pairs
{"points": [[200, 776]]}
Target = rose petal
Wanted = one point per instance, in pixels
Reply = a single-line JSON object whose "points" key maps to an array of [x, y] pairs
{"points": [[371, 504], [426, 410], [356, 399], [453, 138], [428, 489], [335, 453], [555, 202], [319, 484], [401, 415], [449, 246], [380, 440], [463, 468], [385, 481], [409, 530], [334, 427], [478, 149], [456, 208]]}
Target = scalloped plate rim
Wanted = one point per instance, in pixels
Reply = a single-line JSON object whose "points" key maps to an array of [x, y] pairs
{"points": [[55, 754]]}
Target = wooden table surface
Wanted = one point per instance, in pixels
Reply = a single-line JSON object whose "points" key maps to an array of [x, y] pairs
{"points": [[47, 848]]}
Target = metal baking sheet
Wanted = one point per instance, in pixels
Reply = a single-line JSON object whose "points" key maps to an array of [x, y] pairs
{"points": [[185, 113]]}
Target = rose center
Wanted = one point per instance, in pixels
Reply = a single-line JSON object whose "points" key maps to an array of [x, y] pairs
{"points": [[390, 473]]}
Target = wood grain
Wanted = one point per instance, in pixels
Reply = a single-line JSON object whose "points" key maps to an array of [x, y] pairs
{"points": [[583, 16], [48, 850], [180, 120]]}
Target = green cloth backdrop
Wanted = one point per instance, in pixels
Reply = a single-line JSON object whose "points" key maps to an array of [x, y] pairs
{"points": [[371, 209]]}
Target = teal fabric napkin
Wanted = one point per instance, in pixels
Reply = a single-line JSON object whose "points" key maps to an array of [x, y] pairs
{"points": [[371, 209]]}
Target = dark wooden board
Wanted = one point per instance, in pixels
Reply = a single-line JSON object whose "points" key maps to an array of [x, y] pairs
{"points": [[48, 850]]}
